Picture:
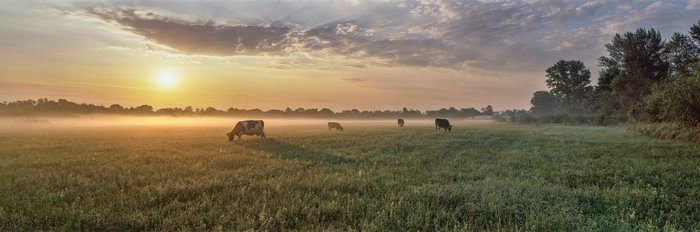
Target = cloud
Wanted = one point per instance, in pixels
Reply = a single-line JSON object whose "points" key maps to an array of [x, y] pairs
{"points": [[693, 5], [409, 52], [345, 39], [193, 38], [503, 35]]}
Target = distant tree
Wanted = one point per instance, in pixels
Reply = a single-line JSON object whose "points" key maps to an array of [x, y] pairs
{"points": [[543, 102], [212, 111], [354, 113], [62, 106], [569, 82], [255, 112], [116, 108], [143, 109], [682, 52], [274, 113], [325, 112], [452, 112], [443, 112], [488, 110], [468, 112], [170, 111]]}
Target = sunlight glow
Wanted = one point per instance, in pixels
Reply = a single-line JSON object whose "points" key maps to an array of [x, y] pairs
{"points": [[167, 80]]}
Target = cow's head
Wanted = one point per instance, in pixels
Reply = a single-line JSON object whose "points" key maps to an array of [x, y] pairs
{"points": [[449, 128], [340, 127], [236, 131]]}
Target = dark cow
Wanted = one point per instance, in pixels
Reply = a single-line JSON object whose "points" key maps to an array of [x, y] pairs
{"points": [[335, 125], [248, 127], [401, 122], [443, 123]]}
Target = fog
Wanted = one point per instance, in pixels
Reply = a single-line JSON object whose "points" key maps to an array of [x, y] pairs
{"points": [[165, 121]]}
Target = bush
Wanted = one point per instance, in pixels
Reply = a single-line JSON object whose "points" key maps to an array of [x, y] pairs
{"points": [[676, 102], [681, 102]]}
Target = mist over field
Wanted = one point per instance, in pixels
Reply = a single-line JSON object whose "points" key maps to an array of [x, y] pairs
{"points": [[223, 122]]}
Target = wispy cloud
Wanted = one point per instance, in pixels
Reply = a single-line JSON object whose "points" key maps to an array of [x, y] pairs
{"points": [[505, 35], [193, 38]]}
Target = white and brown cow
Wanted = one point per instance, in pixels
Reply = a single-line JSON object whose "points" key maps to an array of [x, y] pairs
{"points": [[248, 127]]}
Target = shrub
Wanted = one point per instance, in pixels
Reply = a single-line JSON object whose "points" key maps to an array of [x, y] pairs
{"points": [[676, 102]]}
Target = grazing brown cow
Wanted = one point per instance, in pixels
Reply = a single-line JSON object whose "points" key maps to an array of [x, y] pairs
{"points": [[335, 125], [401, 122], [443, 123], [248, 127]]}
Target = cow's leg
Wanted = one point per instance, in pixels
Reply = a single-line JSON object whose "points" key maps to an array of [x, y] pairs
{"points": [[239, 136]]}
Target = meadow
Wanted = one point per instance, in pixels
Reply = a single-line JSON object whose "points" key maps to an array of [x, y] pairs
{"points": [[373, 176]]}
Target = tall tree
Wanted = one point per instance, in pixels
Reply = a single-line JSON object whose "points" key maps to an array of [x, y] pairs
{"points": [[604, 102], [543, 102], [695, 32], [682, 53], [637, 61], [569, 82]]}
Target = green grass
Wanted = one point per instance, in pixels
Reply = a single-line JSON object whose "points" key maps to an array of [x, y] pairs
{"points": [[479, 177]]}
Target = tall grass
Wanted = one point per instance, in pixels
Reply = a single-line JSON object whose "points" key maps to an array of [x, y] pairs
{"points": [[479, 177], [669, 131]]}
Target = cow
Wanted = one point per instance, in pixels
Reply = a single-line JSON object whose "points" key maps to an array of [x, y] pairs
{"points": [[401, 122], [335, 125], [443, 123], [248, 127]]}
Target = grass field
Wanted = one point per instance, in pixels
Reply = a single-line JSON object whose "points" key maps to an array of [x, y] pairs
{"points": [[482, 176]]}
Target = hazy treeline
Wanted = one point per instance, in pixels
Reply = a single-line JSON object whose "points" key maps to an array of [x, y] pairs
{"points": [[63, 107], [643, 79]]}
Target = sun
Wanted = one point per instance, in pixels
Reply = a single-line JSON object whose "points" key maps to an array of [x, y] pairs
{"points": [[167, 80]]}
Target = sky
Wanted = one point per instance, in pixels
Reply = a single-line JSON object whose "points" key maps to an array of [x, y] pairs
{"points": [[273, 54]]}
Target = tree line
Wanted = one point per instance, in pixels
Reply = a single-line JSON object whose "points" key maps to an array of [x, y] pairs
{"points": [[643, 79], [63, 107]]}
